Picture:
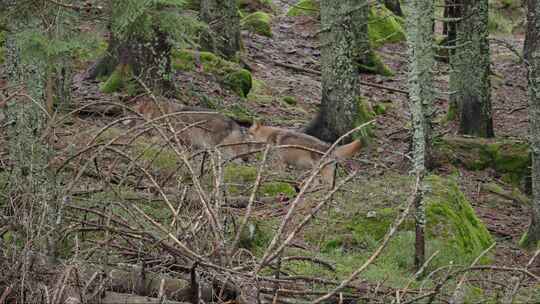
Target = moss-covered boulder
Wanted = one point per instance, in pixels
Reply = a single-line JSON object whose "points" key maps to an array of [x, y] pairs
{"points": [[239, 81], [374, 65], [305, 8], [290, 100], [258, 23], [508, 158], [189, 60], [384, 26], [451, 216]]}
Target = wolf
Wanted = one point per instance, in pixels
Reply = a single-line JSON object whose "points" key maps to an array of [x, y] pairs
{"points": [[198, 127], [312, 152]]}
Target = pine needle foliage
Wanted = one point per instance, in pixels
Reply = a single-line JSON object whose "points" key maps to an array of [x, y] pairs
{"points": [[145, 18]]}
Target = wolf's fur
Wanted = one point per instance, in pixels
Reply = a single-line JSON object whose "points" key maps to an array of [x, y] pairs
{"points": [[205, 130], [303, 158]]}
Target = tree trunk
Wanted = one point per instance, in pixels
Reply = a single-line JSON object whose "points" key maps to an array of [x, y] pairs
{"points": [[531, 36], [341, 37], [223, 21], [420, 40], [394, 6], [532, 238], [147, 57], [469, 80]]}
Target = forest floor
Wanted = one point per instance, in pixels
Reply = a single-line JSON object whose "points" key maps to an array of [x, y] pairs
{"points": [[295, 42]]}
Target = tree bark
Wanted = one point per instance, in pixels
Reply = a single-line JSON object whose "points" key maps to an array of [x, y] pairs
{"points": [[146, 56], [533, 235], [469, 80], [223, 21], [420, 79], [531, 35], [341, 38]]}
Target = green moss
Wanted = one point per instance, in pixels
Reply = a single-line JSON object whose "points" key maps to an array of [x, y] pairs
{"points": [[193, 4], [257, 235], [258, 23], [374, 226], [160, 158], [240, 82], [235, 173], [305, 8], [382, 107], [120, 79], [276, 188], [374, 65], [498, 23], [240, 114], [451, 216], [509, 158], [185, 60], [348, 233], [290, 100], [384, 26], [365, 114]]}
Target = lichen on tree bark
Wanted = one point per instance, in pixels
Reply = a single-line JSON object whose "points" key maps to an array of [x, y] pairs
{"points": [[420, 79], [341, 39], [532, 237], [469, 79]]}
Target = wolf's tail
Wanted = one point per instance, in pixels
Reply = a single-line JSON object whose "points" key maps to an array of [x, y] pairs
{"points": [[348, 150]]}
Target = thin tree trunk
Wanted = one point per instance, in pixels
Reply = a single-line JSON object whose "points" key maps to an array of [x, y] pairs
{"points": [[531, 36], [341, 38], [420, 40], [533, 235], [470, 68], [224, 27]]}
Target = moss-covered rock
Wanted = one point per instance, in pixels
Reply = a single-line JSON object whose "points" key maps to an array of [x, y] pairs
{"points": [[305, 8], [509, 158], [189, 60], [382, 107], [258, 23], [384, 26], [451, 216], [120, 79], [239, 81], [374, 65], [290, 100], [276, 188]]}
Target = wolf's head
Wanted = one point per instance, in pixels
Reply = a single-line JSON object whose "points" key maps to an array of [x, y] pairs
{"points": [[258, 131]]}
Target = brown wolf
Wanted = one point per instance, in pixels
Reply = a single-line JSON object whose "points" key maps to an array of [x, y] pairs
{"points": [[198, 128], [303, 158]]}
